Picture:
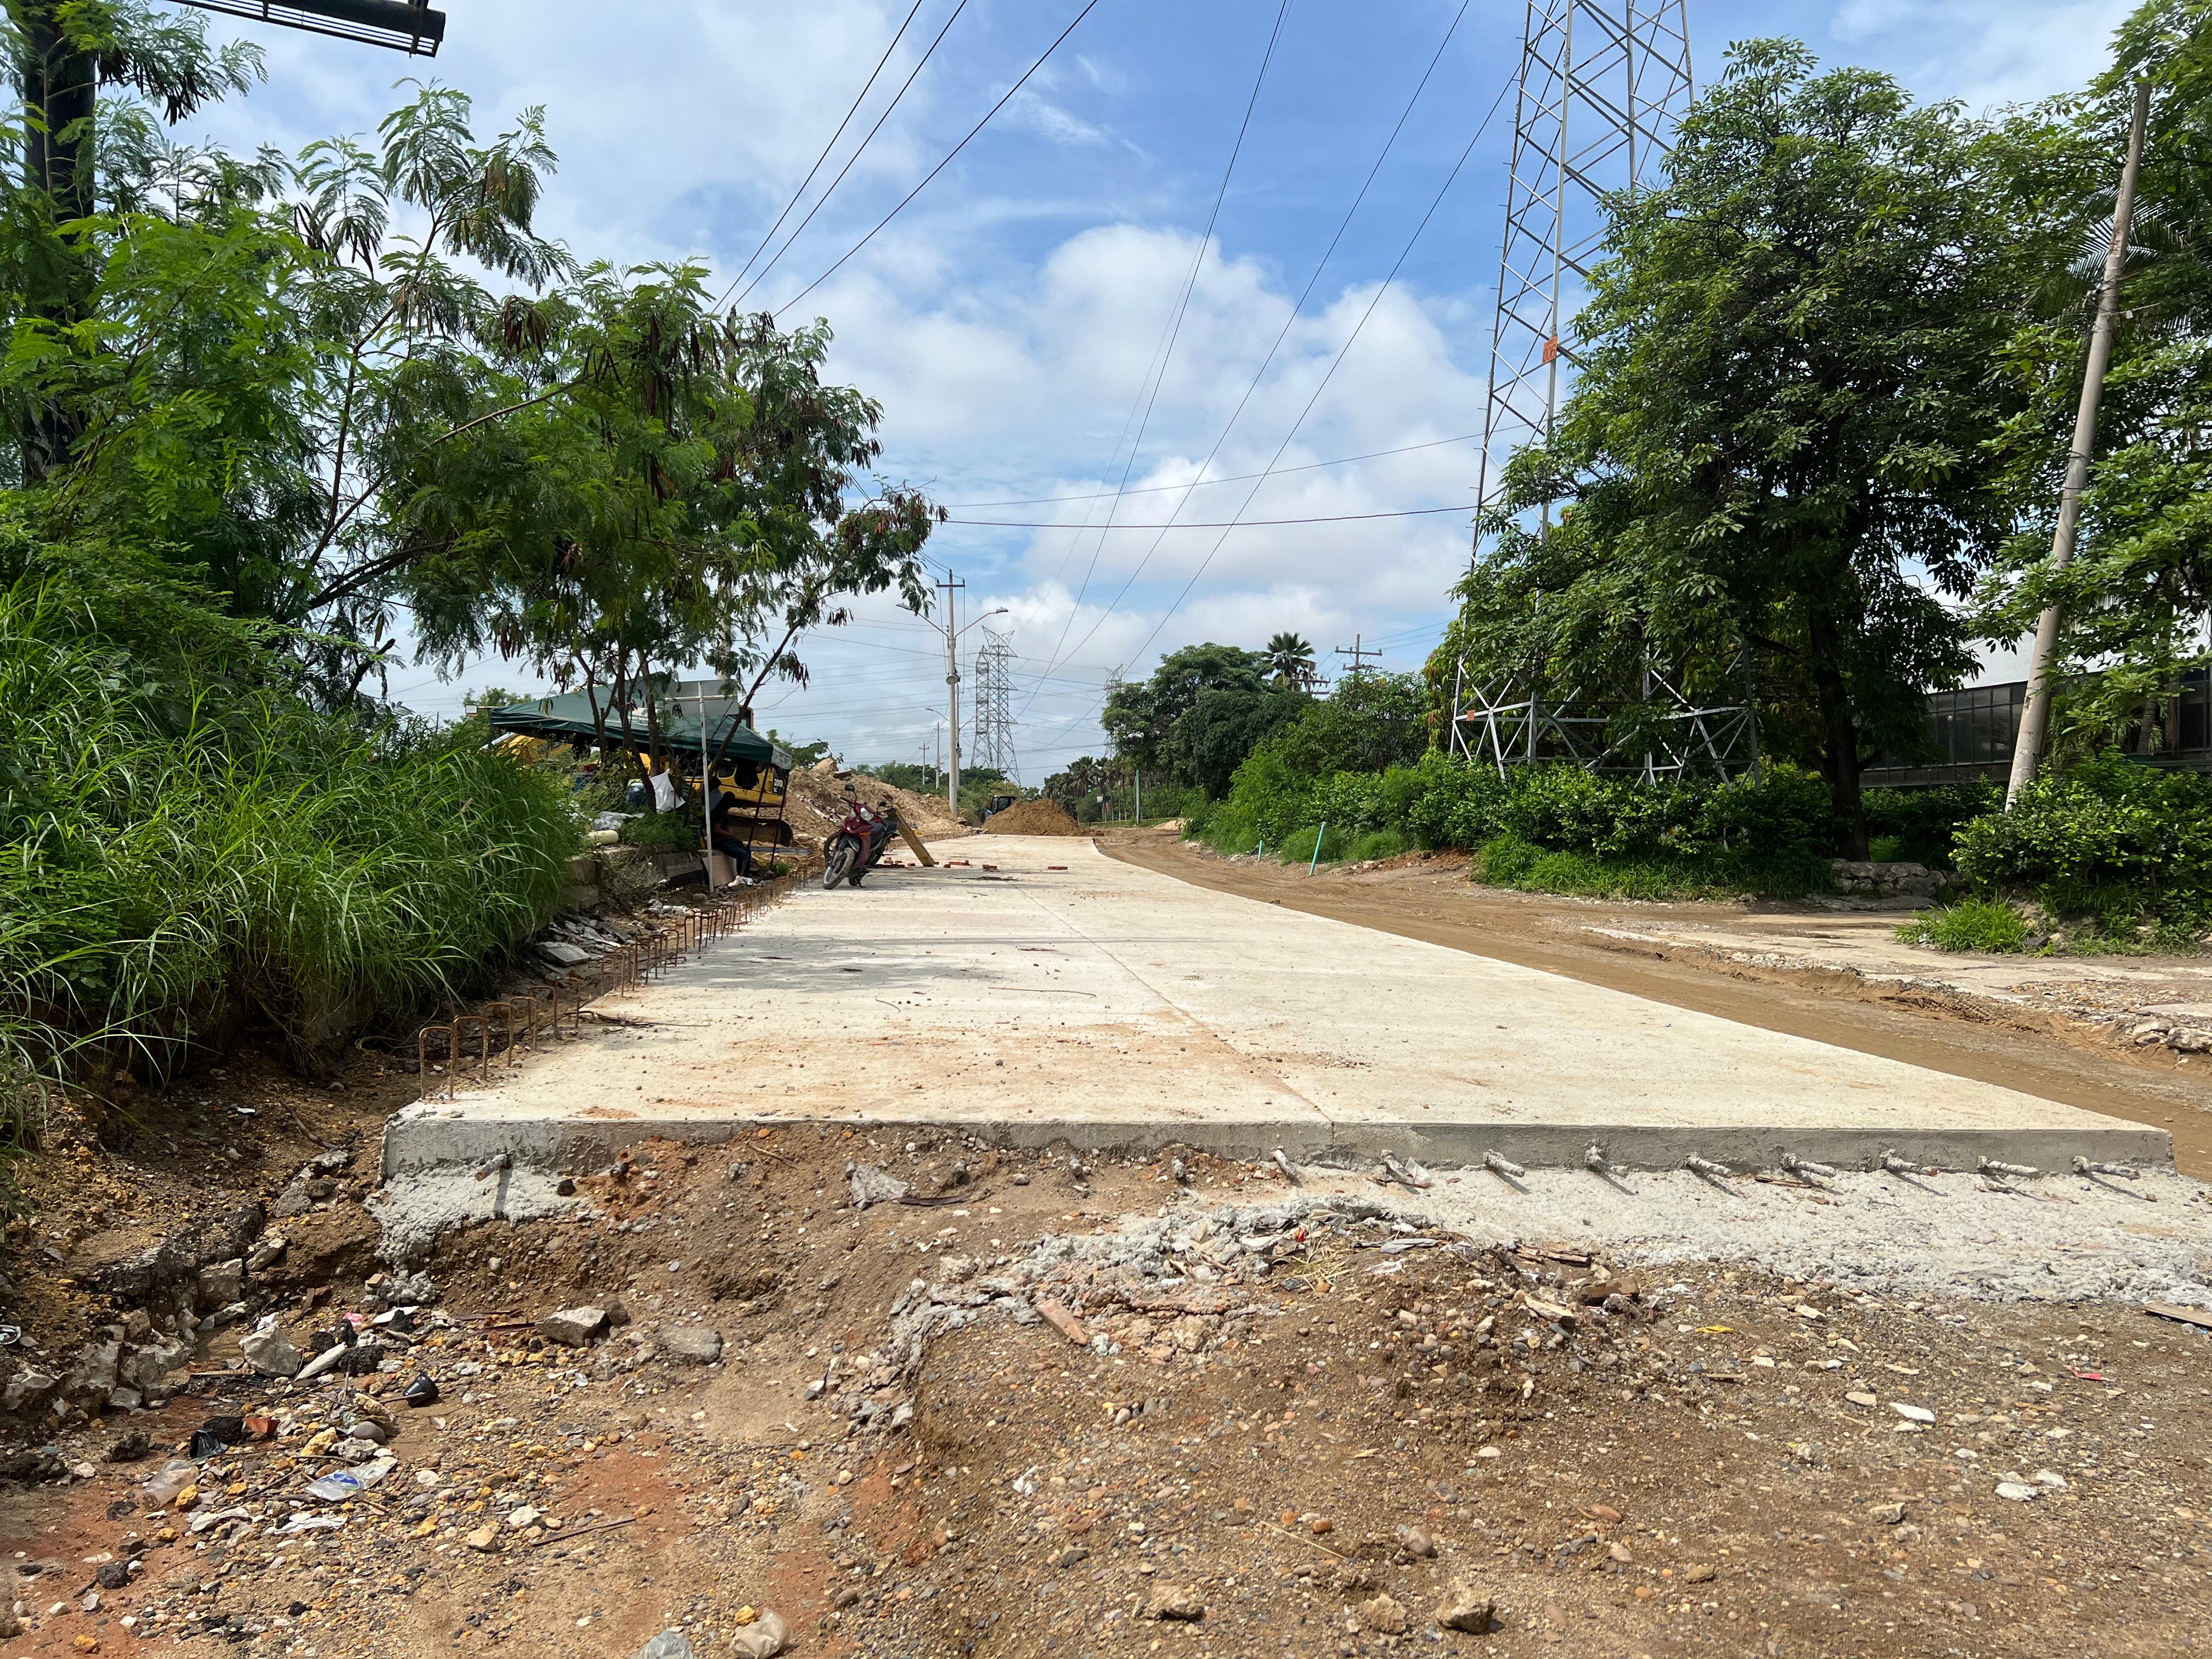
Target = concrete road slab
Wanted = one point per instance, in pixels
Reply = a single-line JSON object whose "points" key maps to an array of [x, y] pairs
{"points": [[1063, 995]]}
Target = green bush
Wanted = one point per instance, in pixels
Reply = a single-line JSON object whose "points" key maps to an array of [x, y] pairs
{"points": [[1508, 860], [1922, 825], [1973, 923], [2125, 845], [176, 857], [1377, 844]]}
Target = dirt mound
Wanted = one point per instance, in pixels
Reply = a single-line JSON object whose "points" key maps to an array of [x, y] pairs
{"points": [[816, 805], [1032, 818]]}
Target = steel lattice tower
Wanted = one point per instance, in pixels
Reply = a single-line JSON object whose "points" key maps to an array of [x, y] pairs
{"points": [[1602, 84], [994, 704]]}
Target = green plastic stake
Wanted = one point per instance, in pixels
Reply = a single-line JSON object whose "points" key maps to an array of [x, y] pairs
{"points": [[1318, 834]]}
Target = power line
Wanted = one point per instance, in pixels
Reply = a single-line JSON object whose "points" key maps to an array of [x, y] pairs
{"points": [[1334, 363], [1215, 524], [1337, 361], [1175, 329], [800, 194], [1208, 483], [762, 275], [1088, 6], [1283, 333]]}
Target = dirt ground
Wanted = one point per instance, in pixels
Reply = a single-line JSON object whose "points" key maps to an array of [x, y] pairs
{"points": [[2039, 1050], [1300, 1440], [1099, 1408], [815, 806]]}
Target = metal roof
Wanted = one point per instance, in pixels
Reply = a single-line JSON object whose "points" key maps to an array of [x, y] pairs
{"points": [[567, 715]]}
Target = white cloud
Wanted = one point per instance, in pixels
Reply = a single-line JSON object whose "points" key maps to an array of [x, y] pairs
{"points": [[1987, 52]]}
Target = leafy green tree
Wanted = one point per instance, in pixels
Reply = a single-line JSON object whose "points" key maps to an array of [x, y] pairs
{"points": [[1784, 431], [1221, 728], [1372, 722], [1141, 715], [2140, 586]]}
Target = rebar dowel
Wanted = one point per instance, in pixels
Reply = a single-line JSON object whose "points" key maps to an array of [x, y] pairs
{"points": [[1989, 1166], [422, 1057], [506, 1010], [483, 1047], [1797, 1165], [1499, 1164], [2085, 1166], [1705, 1166]]}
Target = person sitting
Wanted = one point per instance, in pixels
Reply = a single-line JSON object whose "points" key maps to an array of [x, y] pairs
{"points": [[728, 837]]}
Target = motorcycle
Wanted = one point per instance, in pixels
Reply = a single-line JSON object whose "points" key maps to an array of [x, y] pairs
{"points": [[852, 852]]}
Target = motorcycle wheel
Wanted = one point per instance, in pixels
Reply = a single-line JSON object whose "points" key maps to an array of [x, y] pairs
{"points": [[839, 857]]}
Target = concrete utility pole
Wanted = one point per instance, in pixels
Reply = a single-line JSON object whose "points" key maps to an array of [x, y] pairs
{"points": [[951, 586], [2035, 714]]}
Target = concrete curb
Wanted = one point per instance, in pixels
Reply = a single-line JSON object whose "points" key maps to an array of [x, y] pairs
{"points": [[430, 1137]]}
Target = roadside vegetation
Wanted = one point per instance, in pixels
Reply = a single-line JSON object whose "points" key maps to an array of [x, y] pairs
{"points": [[1824, 387], [286, 424]]}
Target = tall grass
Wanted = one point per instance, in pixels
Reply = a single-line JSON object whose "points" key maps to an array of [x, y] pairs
{"points": [[177, 860]]}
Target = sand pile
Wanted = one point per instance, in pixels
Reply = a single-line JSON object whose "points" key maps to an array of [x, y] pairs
{"points": [[1032, 818], [816, 805]]}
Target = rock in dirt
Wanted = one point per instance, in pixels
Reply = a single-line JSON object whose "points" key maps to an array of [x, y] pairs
{"points": [[572, 1327], [1175, 1601], [113, 1576], [1462, 1609], [1415, 1541], [691, 1345], [269, 1351], [1886, 1515], [1383, 1614], [2018, 1491], [874, 1185], [133, 1446], [487, 1537], [763, 1638]]}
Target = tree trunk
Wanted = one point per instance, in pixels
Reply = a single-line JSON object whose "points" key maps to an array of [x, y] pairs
{"points": [[56, 80], [1839, 732]]}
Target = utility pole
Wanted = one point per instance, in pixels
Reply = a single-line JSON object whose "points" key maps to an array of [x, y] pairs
{"points": [[951, 586], [1358, 656], [2035, 713]]}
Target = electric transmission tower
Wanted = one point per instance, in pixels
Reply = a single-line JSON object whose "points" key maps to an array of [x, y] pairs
{"points": [[995, 704], [1603, 84]]}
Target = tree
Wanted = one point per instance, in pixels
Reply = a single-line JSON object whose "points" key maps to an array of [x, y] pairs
{"points": [[1141, 716], [1221, 728], [2140, 586], [1370, 723], [1784, 434], [1292, 658]]}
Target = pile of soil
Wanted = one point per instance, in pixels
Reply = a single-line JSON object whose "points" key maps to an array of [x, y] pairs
{"points": [[1032, 818], [815, 805]]}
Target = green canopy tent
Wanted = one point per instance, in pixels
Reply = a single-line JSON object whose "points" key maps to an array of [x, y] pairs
{"points": [[566, 717], [736, 750]]}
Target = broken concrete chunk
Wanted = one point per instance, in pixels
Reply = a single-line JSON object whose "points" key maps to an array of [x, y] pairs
{"points": [[691, 1345], [1384, 1614], [562, 955], [267, 1253], [1462, 1609], [223, 1282], [269, 1351], [573, 1328], [874, 1185], [1175, 1601]]}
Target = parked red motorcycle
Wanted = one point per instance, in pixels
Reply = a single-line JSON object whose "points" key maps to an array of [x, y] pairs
{"points": [[852, 852]]}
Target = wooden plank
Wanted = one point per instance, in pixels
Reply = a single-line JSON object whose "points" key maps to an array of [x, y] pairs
{"points": [[2186, 1315], [914, 843]]}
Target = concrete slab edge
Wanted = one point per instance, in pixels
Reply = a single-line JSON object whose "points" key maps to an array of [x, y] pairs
{"points": [[418, 1141]]}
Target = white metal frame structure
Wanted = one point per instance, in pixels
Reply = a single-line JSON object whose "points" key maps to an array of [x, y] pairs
{"points": [[1603, 85], [994, 704]]}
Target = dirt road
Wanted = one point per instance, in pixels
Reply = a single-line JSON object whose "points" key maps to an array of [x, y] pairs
{"points": [[2014, 1046]]}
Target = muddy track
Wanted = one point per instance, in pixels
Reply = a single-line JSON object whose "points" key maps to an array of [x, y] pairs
{"points": [[1964, 1036]]}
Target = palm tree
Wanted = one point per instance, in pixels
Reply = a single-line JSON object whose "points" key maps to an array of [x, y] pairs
{"points": [[1293, 660]]}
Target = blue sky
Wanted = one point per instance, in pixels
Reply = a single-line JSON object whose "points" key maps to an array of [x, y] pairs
{"points": [[1009, 320]]}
